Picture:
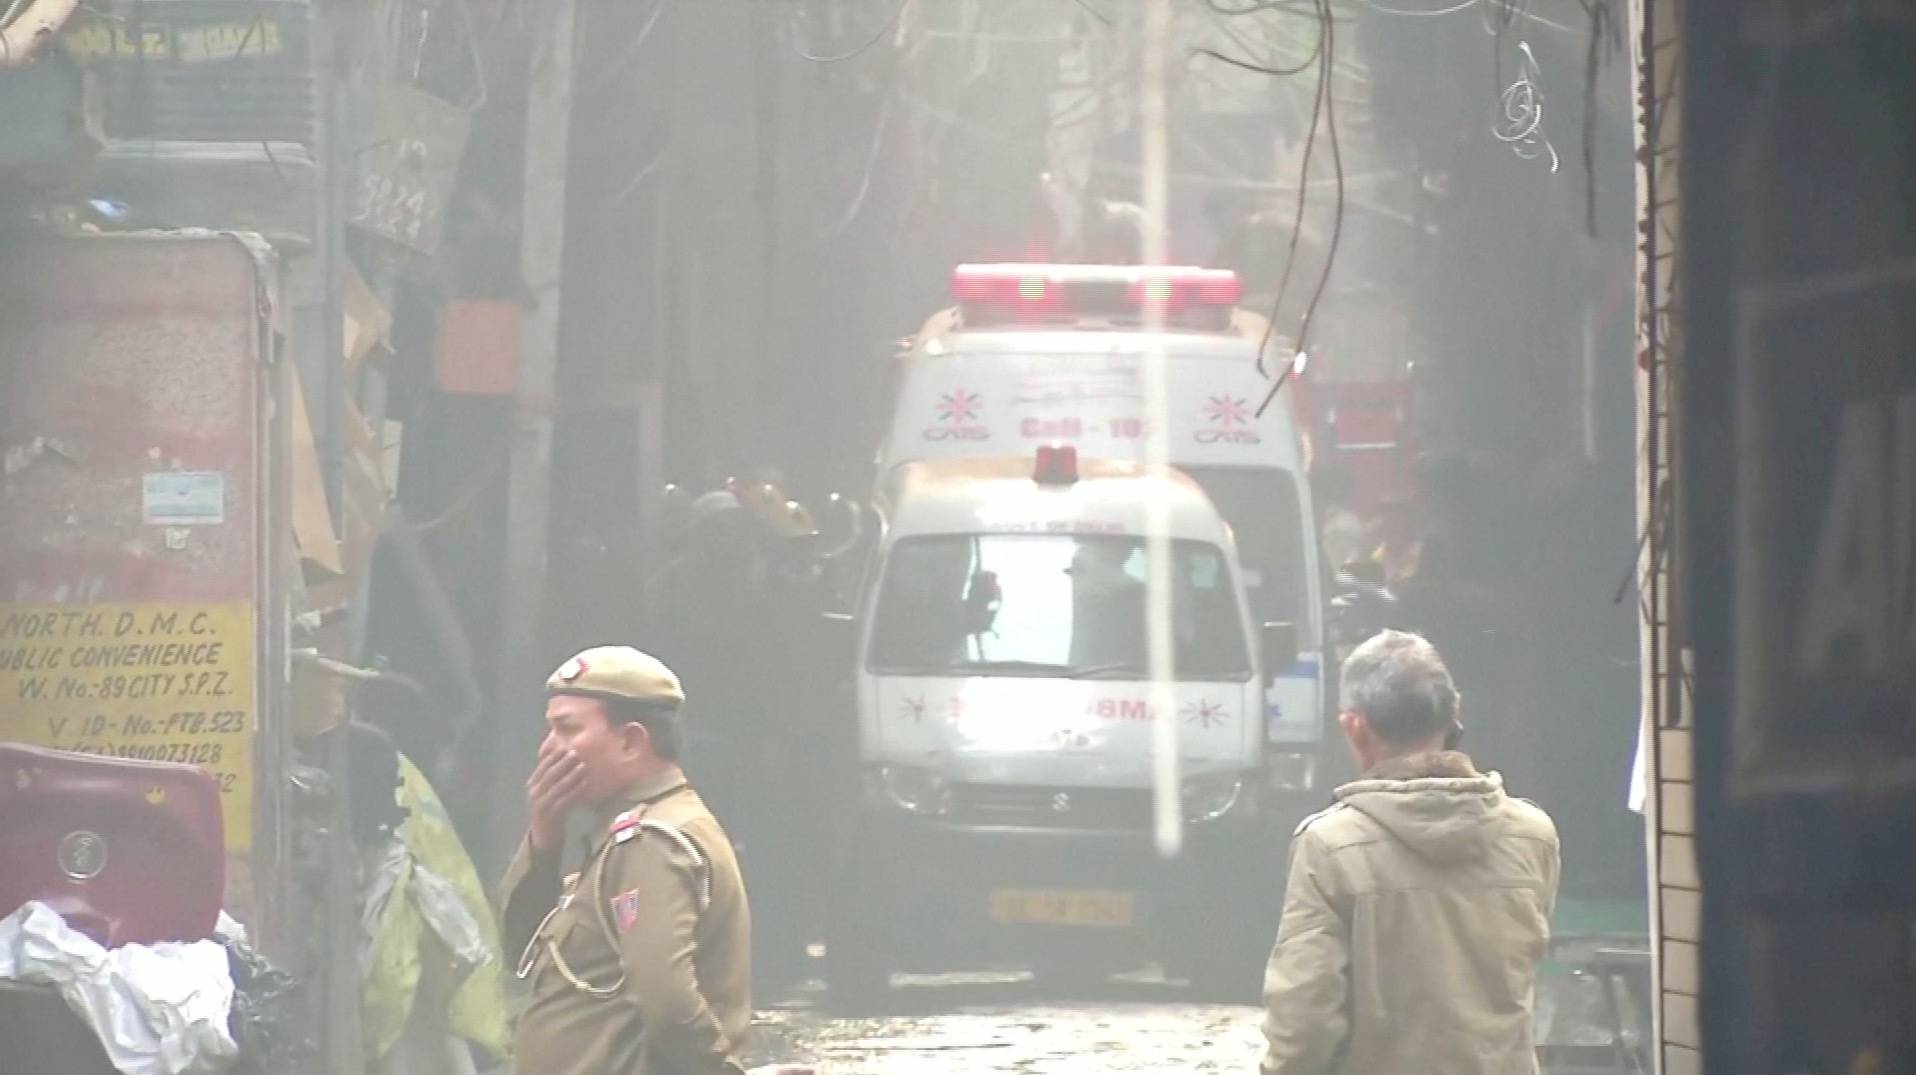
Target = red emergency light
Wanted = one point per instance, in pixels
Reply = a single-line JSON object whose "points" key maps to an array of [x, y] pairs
{"points": [[1095, 296], [1056, 464]]}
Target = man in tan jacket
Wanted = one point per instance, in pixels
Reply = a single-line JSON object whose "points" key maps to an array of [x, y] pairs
{"points": [[1419, 904]]}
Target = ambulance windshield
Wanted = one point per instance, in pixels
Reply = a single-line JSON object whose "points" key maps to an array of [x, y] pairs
{"points": [[1051, 605]]}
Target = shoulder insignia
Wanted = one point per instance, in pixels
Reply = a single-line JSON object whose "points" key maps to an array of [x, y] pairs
{"points": [[625, 910], [1315, 818], [626, 825]]}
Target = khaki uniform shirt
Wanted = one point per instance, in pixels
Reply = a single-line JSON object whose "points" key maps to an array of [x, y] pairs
{"points": [[651, 976]]}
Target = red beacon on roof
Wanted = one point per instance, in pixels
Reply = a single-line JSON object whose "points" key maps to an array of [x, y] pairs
{"points": [[1095, 296], [1056, 464]]}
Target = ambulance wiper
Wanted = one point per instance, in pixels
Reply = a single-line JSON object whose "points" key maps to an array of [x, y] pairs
{"points": [[1131, 670], [1013, 668]]}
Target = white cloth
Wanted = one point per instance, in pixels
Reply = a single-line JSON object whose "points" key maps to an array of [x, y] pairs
{"points": [[157, 1010]]}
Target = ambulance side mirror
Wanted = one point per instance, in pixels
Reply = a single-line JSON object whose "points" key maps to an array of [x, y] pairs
{"points": [[1279, 649]]}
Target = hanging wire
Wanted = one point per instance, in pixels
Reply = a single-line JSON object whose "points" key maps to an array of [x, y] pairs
{"points": [[1095, 13], [623, 62], [871, 166], [1606, 38], [1337, 168], [897, 12], [473, 49], [1498, 15], [1521, 127], [1303, 192], [1324, 108], [1247, 65], [1289, 7]]}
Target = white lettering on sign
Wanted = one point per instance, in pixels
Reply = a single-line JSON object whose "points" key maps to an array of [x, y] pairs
{"points": [[1859, 582]]}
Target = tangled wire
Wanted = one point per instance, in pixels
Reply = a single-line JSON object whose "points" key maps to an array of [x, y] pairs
{"points": [[1521, 126]]}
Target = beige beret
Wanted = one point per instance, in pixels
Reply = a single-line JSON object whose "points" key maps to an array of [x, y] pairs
{"points": [[617, 672]]}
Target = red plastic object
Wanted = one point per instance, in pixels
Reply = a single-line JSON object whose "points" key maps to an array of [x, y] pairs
{"points": [[128, 852], [1365, 423]]}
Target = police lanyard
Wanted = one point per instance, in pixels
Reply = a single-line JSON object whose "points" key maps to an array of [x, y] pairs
{"points": [[530, 957]]}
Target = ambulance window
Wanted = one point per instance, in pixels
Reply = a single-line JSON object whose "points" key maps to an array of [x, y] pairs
{"points": [[1064, 606], [1262, 506]]}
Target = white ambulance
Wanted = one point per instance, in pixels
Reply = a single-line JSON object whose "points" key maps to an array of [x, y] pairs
{"points": [[1006, 722], [1054, 354]]}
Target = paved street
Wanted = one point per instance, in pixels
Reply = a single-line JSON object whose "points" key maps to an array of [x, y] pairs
{"points": [[1009, 1023]]}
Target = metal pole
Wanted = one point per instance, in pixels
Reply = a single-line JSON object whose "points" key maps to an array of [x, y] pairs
{"points": [[343, 1044], [542, 258], [1154, 157]]}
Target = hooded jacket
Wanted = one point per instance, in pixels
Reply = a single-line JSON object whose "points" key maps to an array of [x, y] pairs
{"points": [[1417, 909]]}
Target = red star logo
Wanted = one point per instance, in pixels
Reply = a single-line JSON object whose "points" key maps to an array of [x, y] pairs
{"points": [[915, 709], [959, 407], [1205, 713], [1228, 410]]}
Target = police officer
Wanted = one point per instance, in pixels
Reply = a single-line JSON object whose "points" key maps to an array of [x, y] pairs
{"points": [[639, 962]]}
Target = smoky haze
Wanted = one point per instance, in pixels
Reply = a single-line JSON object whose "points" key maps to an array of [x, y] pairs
{"points": [[765, 198]]}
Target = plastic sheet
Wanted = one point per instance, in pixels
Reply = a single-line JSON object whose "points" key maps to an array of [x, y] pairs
{"points": [[157, 1010]]}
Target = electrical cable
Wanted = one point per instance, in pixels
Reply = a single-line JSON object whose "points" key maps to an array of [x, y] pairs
{"points": [[897, 12], [478, 59], [1247, 65], [1289, 7], [1422, 12], [631, 51], [1303, 188], [1512, 11], [1095, 13], [1327, 102], [1337, 168], [871, 167]]}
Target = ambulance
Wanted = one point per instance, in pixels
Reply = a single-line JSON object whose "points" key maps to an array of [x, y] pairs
{"points": [[1007, 718], [1034, 355]]}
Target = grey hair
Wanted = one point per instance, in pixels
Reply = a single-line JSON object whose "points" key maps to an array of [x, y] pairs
{"points": [[1399, 682]]}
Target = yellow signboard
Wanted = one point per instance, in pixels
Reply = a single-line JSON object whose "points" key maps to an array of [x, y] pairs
{"points": [[196, 43], [156, 682]]}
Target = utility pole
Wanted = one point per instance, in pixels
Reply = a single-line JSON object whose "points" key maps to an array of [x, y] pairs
{"points": [[337, 28], [534, 404]]}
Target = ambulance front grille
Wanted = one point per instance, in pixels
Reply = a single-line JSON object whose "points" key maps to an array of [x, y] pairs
{"points": [[1027, 806]]}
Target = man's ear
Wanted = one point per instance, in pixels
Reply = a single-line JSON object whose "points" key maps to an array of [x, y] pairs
{"points": [[1356, 728], [636, 738]]}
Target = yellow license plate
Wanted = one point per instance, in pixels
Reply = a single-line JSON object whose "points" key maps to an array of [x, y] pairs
{"points": [[1050, 907]]}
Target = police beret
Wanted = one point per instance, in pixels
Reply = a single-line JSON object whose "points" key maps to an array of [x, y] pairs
{"points": [[617, 672]]}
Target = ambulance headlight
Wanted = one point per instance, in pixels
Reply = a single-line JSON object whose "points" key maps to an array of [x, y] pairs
{"points": [[1209, 797], [910, 788]]}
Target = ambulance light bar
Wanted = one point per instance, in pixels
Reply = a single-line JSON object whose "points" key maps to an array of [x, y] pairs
{"points": [[1068, 296]]}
